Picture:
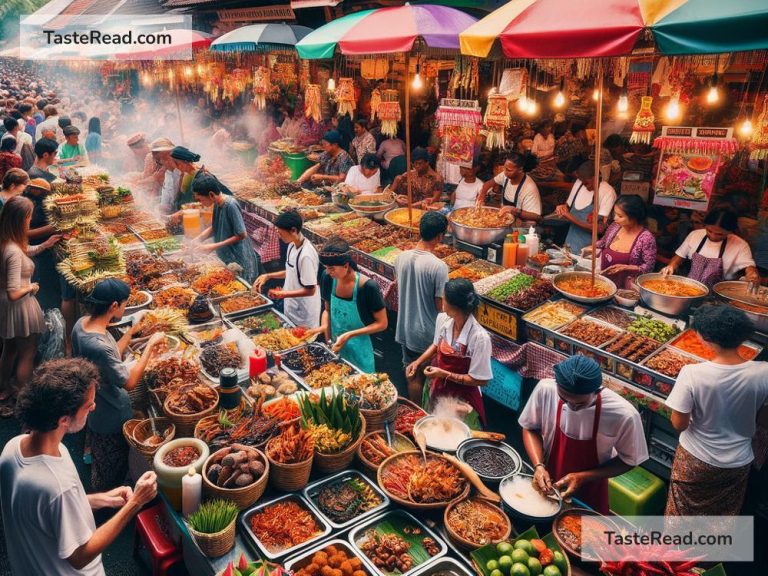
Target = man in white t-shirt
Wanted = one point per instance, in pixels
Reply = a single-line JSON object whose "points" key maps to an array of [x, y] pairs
{"points": [[300, 292], [578, 208], [365, 178], [715, 407], [520, 195], [579, 434], [47, 516]]}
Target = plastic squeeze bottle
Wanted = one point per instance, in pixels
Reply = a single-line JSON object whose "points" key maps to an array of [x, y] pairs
{"points": [[522, 252], [191, 492], [533, 242]]}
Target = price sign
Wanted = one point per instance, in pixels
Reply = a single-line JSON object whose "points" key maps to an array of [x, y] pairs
{"points": [[506, 386]]}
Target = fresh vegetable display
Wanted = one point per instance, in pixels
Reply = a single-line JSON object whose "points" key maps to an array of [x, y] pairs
{"points": [[237, 466], [332, 421], [652, 328], [516, 284], [213, 516]]}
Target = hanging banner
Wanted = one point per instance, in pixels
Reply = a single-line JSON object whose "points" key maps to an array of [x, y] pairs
{"points": [[690, 159]]}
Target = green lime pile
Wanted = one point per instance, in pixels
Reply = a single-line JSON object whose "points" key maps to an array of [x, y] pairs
{"points": [[526, 558]]}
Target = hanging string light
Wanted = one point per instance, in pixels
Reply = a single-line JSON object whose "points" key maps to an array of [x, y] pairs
{"points": [[595, 94], [713, 94], [560, 97], [672, 111], [623, 104], [417, 82], [746, 128]]}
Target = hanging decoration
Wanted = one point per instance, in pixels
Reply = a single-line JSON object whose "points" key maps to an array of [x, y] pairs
{"points": [[389, 112], [458, 123], [235, 83], [758, 148], [497, 119], [375, 103], [284, 74], [514, 83], [261, 86], [345, 97], [374, 69], [643, 128], [313, 102]]}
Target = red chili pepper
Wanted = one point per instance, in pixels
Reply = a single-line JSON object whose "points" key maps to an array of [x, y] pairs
{"points": [[649, 568], [667, 567]]}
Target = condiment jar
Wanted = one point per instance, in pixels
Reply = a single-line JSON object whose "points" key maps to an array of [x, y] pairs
{"points": [[230, 392]]}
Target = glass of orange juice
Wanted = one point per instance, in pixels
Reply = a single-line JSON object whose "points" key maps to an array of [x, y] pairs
{"points": [[191, 222]]}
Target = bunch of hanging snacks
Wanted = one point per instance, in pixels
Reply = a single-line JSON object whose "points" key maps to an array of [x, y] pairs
{"points": [[313, 102], [261, 86], [496, 121], [375, 103], [345, 97], [644, 126], [389, 112]]}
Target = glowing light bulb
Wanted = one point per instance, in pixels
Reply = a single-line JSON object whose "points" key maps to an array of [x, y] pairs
{"points": [[673, 109], [559, 100], [595, 94], [713, 95], [623, 104], [200, 69], [170, 74], [522, 103], [746, 128], [188, 71], [531, 108], [331, 84], [417, 83]]}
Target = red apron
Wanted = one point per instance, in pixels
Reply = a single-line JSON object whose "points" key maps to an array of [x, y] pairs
{"points": [[458, 363], [570, 455], [708, 271]]}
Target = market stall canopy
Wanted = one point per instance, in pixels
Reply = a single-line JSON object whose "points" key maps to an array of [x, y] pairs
{"points": [[181, 40], [600, 28], [387, 30], [713, 26], [257, 37]]}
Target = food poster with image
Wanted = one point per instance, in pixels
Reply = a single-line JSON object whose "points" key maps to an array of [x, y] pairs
{"points": [[690, 159]]}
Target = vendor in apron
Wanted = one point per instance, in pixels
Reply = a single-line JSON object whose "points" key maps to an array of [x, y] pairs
{"points": [[353, 307], [230, 239], [300, 292], [579, 207], [519, 193], [578, 434], [716, 252], [460, 354]]}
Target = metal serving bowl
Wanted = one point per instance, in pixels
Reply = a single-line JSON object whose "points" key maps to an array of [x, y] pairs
{"points": [[476, 236], [671, 305], [584, 299], [737, 291]]}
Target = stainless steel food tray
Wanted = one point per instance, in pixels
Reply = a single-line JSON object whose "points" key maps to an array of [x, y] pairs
{"points": [[311, 492]]}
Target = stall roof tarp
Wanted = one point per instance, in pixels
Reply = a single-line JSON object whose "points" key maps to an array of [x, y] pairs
{"points": [[387, 30], [599, 28], [251, 38]]}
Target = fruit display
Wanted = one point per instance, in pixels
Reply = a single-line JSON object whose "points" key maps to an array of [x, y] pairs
{"points": [[237, 466], [528, 555]]}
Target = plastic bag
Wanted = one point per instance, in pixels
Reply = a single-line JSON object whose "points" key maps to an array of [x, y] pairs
{"points": [[50, 345]]}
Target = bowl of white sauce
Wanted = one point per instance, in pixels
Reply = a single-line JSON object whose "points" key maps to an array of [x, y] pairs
{"points": [[442, 434], [523, 500]]}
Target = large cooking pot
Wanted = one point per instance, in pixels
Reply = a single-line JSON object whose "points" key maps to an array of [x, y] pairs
{"points": [[753, 305], [477, 236], [671, 305], [584, 299]]}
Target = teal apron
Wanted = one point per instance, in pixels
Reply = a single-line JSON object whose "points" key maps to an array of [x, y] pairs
{"points": [[346, 317], [578, 238]]}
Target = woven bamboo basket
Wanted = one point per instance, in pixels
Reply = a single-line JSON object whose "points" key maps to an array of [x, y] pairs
{"points": [[410, 404], [467, 545], [369, 468], [185, 423], [128, 428], [217, 544], [143, 430], [288, 477], [242, 497], [139, 397], [376, 419], [328, 463]]}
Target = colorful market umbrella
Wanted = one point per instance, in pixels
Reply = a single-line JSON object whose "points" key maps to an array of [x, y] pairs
{"points": [[387, 30], [181, 40], [599, 28], [257, 37]]}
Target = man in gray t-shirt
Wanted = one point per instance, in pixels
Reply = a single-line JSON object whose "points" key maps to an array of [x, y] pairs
{"points": [[421, 278]]}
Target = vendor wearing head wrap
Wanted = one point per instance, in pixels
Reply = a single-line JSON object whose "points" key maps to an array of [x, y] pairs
{"points": [[230, 239], [185, 163], [353, 307], [333, 164], [579, 434], [426, 184]]}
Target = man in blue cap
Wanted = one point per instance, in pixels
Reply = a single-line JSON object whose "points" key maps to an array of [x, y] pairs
{"points": [[333, 164], [580, 434]]}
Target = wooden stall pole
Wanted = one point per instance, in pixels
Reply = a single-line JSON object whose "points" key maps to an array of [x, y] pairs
{"points": [[408, 136], [598, 147], [178, 114]]}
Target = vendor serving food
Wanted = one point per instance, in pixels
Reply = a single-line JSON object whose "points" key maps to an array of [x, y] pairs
{"points": [[716, 252], [519, 193], [426, 184], [333, 164], [579, 434]]}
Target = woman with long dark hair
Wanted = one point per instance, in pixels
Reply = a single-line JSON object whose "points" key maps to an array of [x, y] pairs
{"points": [[93, 140], [461, 351]]}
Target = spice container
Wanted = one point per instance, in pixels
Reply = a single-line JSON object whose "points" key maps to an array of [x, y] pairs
{"points": [[229, 391]]}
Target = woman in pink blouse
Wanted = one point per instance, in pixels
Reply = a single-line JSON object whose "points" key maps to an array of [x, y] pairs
{"points": [[627, 249]]}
